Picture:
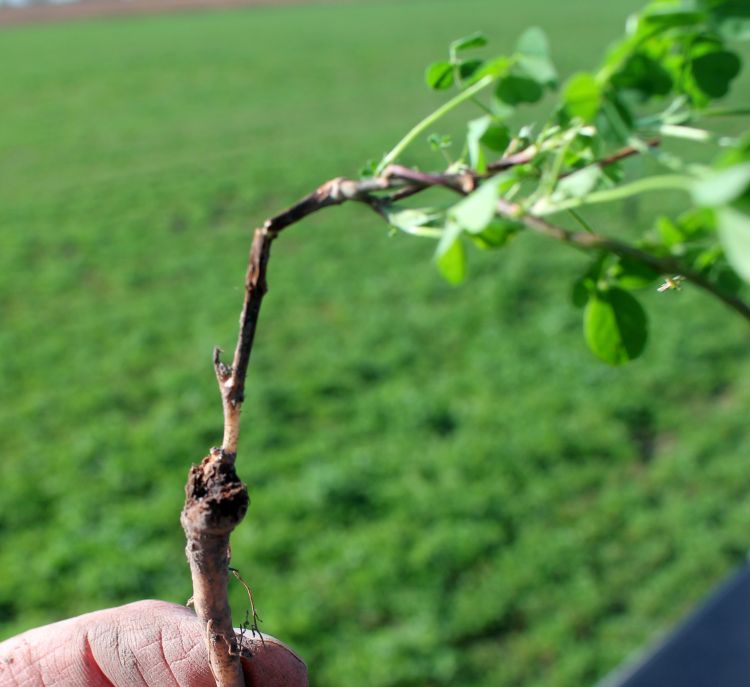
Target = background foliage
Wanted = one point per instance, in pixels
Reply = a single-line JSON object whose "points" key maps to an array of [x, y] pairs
{"points": [[445, 488]]}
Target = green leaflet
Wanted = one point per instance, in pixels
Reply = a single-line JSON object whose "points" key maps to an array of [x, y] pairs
{"points": [[496, 234], [533, 42], [714, 71], [415, 221], [533, 56], [578, 184], [615, 326], [722, 186], [474, 40], [475, 212], [439, 75], [734, 232], [516, 89], [644, 74], [450, 256], [631, 274], [582, 96], [485, 131]]}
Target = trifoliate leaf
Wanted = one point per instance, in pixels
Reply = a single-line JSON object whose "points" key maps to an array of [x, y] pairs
{"points": [[439, 141], [533, 56], [713, 72]]}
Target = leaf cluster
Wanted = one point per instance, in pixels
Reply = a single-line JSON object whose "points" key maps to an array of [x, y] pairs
{"points": [[660, 81]]}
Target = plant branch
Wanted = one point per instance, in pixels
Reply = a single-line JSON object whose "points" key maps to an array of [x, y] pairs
{"points": [[653, 183], [527, 155], [216, 500], [591, 241], [588, 240]]}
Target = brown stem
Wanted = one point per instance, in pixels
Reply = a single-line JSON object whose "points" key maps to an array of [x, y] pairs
{"points": [[215, 503], [589, 241], [215, 498], [527, 155]]}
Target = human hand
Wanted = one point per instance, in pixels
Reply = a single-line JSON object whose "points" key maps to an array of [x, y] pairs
{"points": [[142, 644]]}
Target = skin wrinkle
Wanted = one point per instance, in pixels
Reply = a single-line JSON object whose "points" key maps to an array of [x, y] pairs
{"points": [[131, 663], [125, 636], [34, 667], [141, 626], [186, 655], [187, 650], [152, 663], [91, 662], [65, 663], [164, 639], [164, 657], [104, 644]]}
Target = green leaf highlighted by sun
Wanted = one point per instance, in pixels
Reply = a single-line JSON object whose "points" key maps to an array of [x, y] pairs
{"points": [[439, 76], [582, 96], [450, 256]]}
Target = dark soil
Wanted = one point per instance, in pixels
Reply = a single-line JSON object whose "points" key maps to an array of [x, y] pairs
{"points": [[87, 9]]}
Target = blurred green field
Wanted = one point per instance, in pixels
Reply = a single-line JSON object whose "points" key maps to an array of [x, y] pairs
{"points": [[446, 488]]}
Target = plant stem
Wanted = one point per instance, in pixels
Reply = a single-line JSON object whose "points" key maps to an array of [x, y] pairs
{"points": [[692, 133], [428, 121], [216, 500], [590, 241], [215, 503], [724, 112], [654, 183]]}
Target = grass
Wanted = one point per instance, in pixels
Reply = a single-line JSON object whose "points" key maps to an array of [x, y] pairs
{"points": [[446, 488]]}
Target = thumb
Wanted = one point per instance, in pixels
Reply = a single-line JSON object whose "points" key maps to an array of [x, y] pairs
{"points": [[143, 644]]}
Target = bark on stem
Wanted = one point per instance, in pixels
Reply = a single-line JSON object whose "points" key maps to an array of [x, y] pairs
{"points": [[215, 502], [215, 498]]}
